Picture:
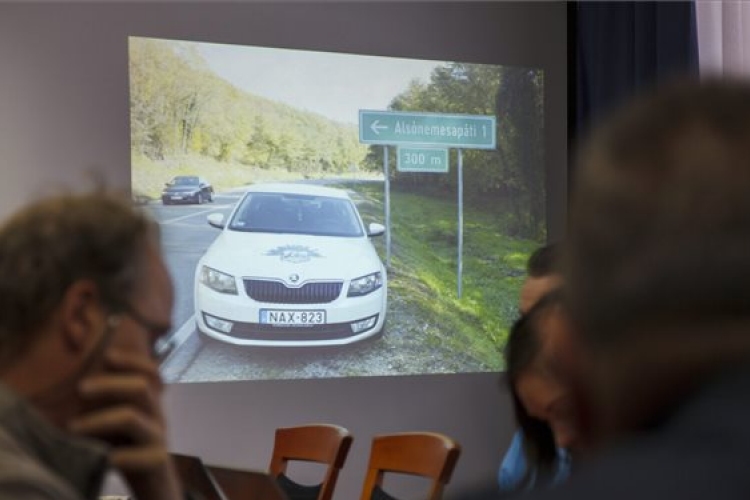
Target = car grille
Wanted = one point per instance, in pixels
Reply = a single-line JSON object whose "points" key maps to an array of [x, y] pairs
{"points": [[275, 292]]}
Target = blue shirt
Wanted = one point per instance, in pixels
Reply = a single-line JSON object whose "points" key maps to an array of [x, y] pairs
{"points": [[514, 466]]}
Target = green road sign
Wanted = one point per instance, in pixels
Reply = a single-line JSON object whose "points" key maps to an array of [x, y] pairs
{"points": [[422, 160], [427, 129]]}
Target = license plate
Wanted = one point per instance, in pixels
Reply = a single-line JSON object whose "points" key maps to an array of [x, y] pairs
{"points": [[176, 197], [292, 318]]}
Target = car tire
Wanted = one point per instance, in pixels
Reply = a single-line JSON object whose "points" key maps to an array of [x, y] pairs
{"points": [[199, 199]]}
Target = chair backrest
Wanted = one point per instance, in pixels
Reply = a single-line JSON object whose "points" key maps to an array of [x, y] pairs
{"points": [[322, 443], [426, 454], [239, 484], [195, 477]]}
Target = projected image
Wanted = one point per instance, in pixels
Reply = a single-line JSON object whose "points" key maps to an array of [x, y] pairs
{"points": [[336, 215]]}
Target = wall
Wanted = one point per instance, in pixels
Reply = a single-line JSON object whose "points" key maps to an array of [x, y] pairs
{"points": [[64, 114]]}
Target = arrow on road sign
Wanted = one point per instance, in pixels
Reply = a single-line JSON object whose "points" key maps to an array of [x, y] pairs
{"points": [[375, 127]]}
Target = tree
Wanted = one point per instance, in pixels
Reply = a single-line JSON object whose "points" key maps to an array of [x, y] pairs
{"points": [[520, 107], [515, 171]]}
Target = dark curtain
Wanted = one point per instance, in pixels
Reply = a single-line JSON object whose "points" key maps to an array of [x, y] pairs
{"points": [[622, 48]]}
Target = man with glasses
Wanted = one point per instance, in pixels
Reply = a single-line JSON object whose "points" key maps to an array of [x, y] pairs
{"points": [[84, 296]]}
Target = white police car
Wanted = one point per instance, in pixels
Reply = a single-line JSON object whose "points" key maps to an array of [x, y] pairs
{"points": [[293, 266]]}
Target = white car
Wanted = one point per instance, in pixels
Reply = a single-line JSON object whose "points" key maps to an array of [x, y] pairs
{"points": [[293, 266]]}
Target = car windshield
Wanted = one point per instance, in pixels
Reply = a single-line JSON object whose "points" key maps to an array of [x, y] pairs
{"points": [[299, 214], [185, 181]]}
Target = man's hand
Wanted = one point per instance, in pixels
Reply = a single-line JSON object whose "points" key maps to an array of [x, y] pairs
{"points": [[125, 411]]}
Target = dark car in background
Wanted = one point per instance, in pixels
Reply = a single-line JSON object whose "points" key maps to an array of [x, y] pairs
{"points": [[187, 189]]}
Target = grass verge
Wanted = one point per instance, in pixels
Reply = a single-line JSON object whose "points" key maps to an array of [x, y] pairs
{"points": [[423, 270]]}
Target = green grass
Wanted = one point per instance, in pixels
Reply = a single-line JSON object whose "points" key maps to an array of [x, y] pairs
{"points": [[149, 175], [423, 269]]}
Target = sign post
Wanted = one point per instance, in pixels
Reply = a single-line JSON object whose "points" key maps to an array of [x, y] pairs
{"points": [[387, 203], [423, 140], [460, 264]]}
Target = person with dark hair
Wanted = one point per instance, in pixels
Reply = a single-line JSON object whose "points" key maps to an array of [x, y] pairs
{"points": [[540, 402], [533, 458], [542, 276], [84, 296]]}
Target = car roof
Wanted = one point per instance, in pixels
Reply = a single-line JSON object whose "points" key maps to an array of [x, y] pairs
{"points": [[294, 188]]}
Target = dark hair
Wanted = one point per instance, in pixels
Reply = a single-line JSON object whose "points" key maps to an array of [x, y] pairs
{"points": [[660, 217], [544, 261], [521, 350], [50, 244]]}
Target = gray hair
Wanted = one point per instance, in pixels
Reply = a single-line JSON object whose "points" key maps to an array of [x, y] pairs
{"points": [[56, 241]]}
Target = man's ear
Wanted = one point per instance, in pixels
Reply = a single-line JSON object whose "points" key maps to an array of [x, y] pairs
{"points": [[81, 313]]}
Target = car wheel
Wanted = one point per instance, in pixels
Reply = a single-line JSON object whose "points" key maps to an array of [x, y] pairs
{"points": [[200, 199]]}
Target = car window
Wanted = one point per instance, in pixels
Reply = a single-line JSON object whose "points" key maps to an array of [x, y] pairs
{"points": [[185, 181], [300, 214]]}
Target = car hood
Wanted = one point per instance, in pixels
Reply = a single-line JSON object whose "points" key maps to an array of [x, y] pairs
{"points": [[277, 256]]}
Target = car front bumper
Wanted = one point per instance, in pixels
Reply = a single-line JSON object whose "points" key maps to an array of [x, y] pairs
{"points": [[244, 315]]}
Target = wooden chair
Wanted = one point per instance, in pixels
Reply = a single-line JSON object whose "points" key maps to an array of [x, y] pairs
{"points": [[321, 443], [426, 454]]}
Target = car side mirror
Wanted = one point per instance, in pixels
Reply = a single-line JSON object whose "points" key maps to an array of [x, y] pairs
{"points": [[375, 229], [216, 220]]}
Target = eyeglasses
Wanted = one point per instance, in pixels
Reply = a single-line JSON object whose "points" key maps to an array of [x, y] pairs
{"points": [[156, 330], [160, 346]]}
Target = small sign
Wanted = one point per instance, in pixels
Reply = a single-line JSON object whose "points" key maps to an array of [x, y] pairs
{"points": [[422, 160]]}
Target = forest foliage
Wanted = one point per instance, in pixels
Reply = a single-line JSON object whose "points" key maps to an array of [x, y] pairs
{"points": [[179, 107], [509, 179]]}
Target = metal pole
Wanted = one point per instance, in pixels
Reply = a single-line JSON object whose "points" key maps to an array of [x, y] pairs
{"points": [[387, 209], [460, 220]]}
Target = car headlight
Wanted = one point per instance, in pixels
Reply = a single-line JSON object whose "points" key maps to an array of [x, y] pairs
{"points": [[365, 284], [216, 280]]}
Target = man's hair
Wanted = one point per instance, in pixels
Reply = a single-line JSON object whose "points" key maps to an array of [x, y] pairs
{"points": [[544, 261], [522, 349], [660, 217], [52, 243]]}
